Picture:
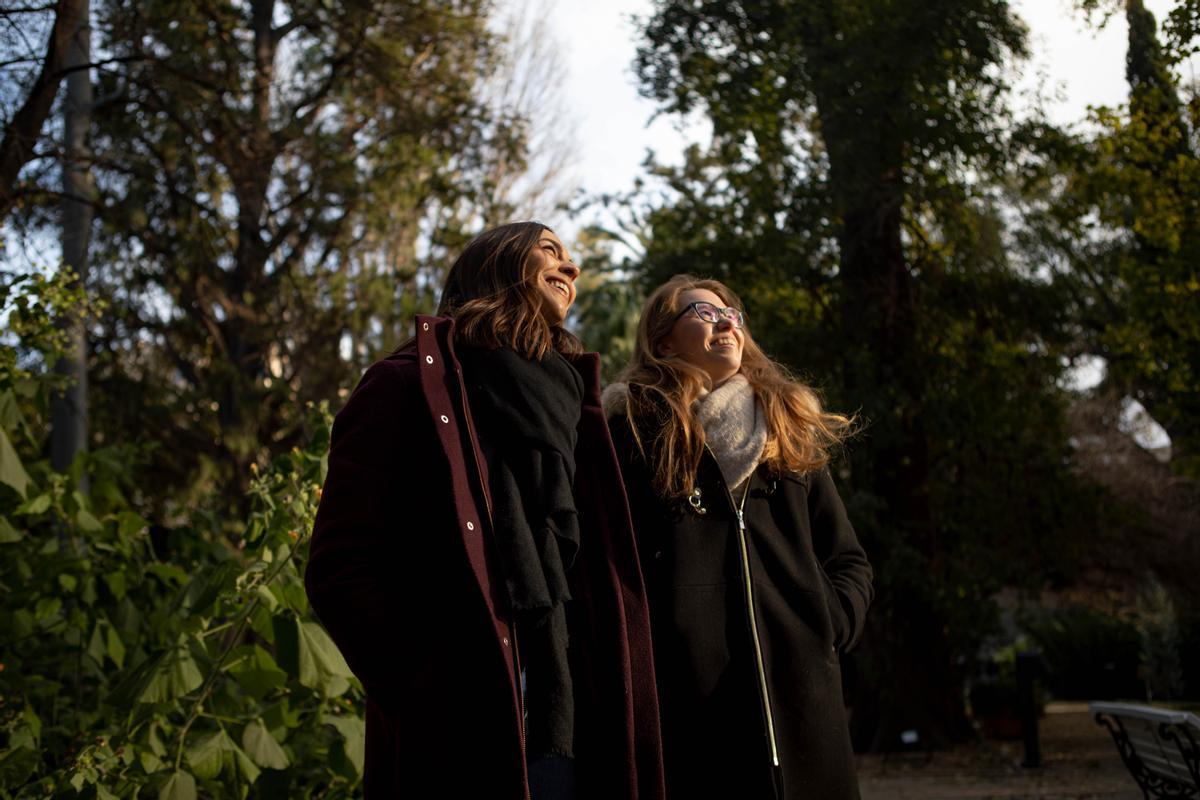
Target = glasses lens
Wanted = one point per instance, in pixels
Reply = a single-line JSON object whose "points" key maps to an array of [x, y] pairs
{"points": [[735, 317], [707, 312]]}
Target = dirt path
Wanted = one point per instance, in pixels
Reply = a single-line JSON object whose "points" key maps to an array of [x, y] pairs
{"points": [[1079, 759]]}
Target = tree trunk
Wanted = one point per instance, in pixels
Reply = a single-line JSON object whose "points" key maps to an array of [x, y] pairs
{"points": [[70, 428]]}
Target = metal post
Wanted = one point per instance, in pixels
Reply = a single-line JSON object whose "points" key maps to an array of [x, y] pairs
{"points": [[1028, 666]]}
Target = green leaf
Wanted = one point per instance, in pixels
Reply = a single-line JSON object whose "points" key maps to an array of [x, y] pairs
{"points": [[308, 654], [129, 524], [206, 756], [87, 522], [17, 765], [37, 505], [67, 582], [180, 786], [203, 591], [96, 648], [115, 581], [104, 794], [162, 677], [354, 738], [9, 534], [257, 673], [116, 648], [244, 765], [262, 747], [12, 472]]}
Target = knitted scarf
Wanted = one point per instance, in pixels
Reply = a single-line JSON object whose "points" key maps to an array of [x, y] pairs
{"points": [[527, 413], [733, 424]]}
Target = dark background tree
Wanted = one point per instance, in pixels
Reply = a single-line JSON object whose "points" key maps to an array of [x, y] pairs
{"points": [[855, 193]]}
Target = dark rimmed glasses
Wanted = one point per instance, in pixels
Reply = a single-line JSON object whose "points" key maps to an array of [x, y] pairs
{"points": [[711, 313]]}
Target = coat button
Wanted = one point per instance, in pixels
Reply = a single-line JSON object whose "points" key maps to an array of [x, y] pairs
{"points": [[505, 640], [428, 359], [658, 553], [424, 326], [470, 526], [445, 418]]}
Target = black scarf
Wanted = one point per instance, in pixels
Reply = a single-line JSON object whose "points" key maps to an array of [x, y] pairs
{"points": [[527, 412]]}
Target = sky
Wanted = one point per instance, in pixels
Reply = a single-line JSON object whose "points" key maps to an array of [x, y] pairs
{"points": [[1071, 60]]}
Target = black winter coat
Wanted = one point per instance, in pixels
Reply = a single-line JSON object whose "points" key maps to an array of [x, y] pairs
{"points": [[800, 566]]}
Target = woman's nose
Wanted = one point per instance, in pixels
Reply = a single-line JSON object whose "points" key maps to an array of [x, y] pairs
{"points": [[724, 323], [571, 270]]}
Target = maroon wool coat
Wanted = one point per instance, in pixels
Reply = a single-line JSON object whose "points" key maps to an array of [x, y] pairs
{"points": [[403, 574]]}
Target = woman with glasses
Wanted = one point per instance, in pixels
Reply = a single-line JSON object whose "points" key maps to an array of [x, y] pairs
{"points": [[756, 579]]}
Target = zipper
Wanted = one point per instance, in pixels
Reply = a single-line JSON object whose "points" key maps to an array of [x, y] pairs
{"points": [[487, 502], [747, 582]]}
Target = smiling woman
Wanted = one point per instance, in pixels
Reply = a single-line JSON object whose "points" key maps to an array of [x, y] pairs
{"points": [[755, 576], [473, 502]]}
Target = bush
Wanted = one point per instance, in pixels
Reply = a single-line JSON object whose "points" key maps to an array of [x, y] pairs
{"points": [[195, 669], [1088, 655]]}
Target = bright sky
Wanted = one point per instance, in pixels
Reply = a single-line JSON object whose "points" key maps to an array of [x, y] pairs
{"points": [[1072, 61]]}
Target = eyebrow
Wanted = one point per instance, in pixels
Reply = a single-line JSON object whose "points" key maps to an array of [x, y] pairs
{"points": [[558, 248]]}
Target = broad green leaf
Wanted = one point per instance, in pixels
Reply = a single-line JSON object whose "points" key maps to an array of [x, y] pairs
{"points": [[244, 764], [354, 738], [37, 505], [162, 677], [257, 673], [116, 648], [11, 418], [206, 756], [87, 522], [115, 581], [266, 597], [262, 747], [67, 582], [307, 652], [203, 591], [12, 471], [9, 534], [96, 646], [17, 764], [180, 786], [175, 677], [129, 524], [104, 794]]}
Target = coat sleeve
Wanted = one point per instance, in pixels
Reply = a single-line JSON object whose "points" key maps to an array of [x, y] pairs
{"points": [[635, 473], [843, 562], [351, 577]]}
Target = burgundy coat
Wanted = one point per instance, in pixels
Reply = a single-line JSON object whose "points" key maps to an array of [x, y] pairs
{"points": [[404, 576]]}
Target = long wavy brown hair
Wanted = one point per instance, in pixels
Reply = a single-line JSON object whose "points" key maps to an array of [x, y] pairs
{"points": [[491, 292], [662, 389]]}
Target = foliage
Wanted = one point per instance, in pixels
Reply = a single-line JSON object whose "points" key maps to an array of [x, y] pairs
{"points": [[1089, 655], [178, 663], [1119, 212], [855, 196]]}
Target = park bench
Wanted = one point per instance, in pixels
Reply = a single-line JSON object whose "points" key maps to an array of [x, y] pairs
{"points": [[1160, 747]]}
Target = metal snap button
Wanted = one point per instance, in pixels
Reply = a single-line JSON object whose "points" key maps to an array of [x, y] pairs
{"points": [[424, 326], [505, 640], [470, 526], [445, 418], [428, 359]]}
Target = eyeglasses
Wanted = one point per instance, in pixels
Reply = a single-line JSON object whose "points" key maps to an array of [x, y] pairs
{"points": [[710, 313]]}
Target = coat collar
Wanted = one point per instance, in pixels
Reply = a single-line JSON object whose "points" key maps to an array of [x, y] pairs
{"points": [[432, 332]]}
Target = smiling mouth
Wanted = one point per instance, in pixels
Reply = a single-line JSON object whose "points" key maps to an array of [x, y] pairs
{"points": [[724, 341], [560, 285]]}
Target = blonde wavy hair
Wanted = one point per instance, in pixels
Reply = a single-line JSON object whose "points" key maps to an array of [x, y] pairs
{"points": [[663, 389]]}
